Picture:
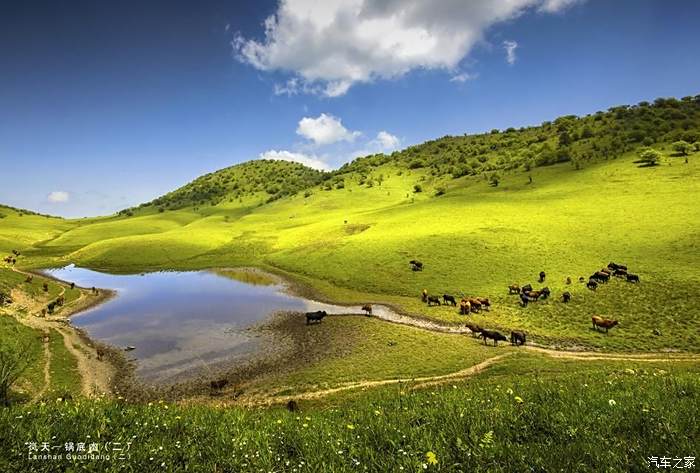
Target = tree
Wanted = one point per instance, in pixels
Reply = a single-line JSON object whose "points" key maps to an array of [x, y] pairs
{"points": [[682, 147], [650, 156], [14, 359]]}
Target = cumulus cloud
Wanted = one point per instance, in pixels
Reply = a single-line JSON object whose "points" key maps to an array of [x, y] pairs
{"points": [[324, 130], [307, 160], [329, 46], [58, 197], [387, 141], [510, 47]]}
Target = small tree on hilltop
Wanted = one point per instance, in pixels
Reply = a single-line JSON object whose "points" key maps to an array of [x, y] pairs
{"points": [[650, 156], [682, 147]]}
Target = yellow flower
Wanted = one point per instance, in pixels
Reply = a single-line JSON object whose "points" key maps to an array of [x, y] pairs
{"points": [[431, 458], [518, 399], [351, 427], [377, 413]]}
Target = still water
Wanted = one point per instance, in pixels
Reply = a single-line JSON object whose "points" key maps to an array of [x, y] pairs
{"points": [[182, 322]]}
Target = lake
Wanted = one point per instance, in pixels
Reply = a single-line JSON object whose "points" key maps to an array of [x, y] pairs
{"points": [[183, 322]]}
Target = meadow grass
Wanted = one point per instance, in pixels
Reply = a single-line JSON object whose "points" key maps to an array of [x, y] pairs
{"points": [[527, 414], [65, 378]]}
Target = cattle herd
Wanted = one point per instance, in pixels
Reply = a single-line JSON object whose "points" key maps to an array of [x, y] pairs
{"points": [[526, 293]]}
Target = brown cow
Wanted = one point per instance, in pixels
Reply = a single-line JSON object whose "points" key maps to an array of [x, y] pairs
{"points": [[464, 307], [485, 303], [368, 309], [424, 295], [604, 323], [513, 289]]}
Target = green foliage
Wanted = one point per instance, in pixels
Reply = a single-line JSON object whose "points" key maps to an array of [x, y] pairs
{"points": [[682, 147], [650, 156], [417, 188], [277, 179]]}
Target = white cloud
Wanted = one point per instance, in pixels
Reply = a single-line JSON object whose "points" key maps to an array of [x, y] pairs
{"points": [[554, 6], [58, 197], [329, 46], [387, 141], [463, 77], [307, 160], [325, 130], [510, 47]]}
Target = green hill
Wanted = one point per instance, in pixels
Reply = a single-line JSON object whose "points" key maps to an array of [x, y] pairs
{"points": [[570, 196], [271, 179]]}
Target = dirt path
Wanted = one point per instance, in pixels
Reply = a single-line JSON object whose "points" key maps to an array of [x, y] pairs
{"points": [[47, 374], [426, 381], [95, 375]]}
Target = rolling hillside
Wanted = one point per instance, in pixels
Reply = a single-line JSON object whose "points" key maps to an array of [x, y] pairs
{"points": [[349, 234]]}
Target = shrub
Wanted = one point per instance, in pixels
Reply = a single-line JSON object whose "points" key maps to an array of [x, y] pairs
{"points": [[417, 188], [650, 156]]}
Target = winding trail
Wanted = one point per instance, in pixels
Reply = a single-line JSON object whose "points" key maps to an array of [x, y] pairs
{"points": [[95, 375], [47, 374], [427, 381]]}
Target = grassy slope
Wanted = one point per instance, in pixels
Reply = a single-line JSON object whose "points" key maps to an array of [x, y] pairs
{"points": [[475, 240]]}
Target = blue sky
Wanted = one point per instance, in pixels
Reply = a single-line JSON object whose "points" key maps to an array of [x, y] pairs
{"points": [[104, 105]]}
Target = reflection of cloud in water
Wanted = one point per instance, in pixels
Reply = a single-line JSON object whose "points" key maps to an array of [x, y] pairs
{"points": [[179, 321]]}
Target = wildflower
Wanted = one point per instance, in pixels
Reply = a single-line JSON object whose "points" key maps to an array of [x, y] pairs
{"points": [[612, 402], [431, 458], [377, 413], [518, 399], [279, 421], [351, 427], [509, 392], [304, 425]]}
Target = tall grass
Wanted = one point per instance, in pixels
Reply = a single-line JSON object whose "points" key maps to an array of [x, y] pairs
{"points": [[602, 419]]}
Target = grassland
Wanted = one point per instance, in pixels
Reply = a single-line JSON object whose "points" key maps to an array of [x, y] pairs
{"points": [[481, 212], [474, 240], [527, 415]]}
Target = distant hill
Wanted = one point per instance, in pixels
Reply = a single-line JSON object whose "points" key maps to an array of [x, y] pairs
{"points": [[579, 141], [272, 179]]}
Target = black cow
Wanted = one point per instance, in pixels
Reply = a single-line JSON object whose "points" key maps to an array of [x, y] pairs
{"points": [[542, 276], [517, 338], [600, 276], [474, 329], [592, 285], [632, 277], [218, 384], [416, 265], [292, 406], [614, 266], [524, 299], [545, 292], [566, 297], [620, 273], [446, 298], [526, 288], [433, 300], [493, 335], [72, 285], [315, 316]]}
